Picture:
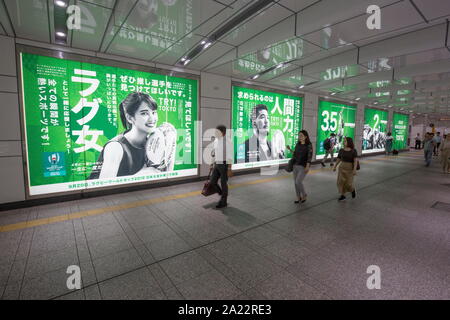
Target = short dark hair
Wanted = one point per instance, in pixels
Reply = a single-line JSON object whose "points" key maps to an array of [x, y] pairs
{"points": [[257, 109], [332, 134], [222, 128], [350, 143]]}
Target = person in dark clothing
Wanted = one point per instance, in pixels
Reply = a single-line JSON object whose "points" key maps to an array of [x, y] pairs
{"points": [[302, 155], [347, 160], [221, 167], [418, 142]]}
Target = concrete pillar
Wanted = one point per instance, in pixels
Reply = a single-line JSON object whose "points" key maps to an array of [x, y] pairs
{"points": [[310, 109]]}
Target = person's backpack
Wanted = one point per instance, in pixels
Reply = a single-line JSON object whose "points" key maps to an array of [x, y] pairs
{"points": [[395, 152], [327, 144]]}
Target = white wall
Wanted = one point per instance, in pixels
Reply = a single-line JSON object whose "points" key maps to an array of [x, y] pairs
{"points": [[215, 102], [11, 162], [310, 117]]}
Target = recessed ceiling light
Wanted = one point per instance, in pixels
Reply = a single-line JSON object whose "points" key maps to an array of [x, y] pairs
{"points": [[256, 76], [203, 42], [357, 99], [183, 59], [207, 45], [61, 3], [60, 34], [280, 65], [333, 93], [302, 86], [187, 61]]}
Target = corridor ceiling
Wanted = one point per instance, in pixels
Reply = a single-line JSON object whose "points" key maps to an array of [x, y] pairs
{"points": [[321, 46]]}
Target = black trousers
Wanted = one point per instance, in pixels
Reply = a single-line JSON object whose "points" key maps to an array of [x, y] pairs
{"points": [[418, 144], [220, 171]]}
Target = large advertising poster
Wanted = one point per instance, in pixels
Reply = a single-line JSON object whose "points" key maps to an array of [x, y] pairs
{"points": [[264, 123], [334, 118], [90, 126], [374, 131], [400, 132]]}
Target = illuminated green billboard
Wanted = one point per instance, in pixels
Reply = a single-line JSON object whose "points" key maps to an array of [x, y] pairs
{"points": [[90, 126], [374, 131], [334, 118], [264, 123], [400, 131]]}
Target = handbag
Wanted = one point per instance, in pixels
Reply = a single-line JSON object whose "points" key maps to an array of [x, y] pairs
{"points": [[290, 165], [209, 188], [357, 165]]}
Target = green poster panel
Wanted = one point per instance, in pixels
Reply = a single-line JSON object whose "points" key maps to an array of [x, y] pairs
{"points": [[400, 131], [90, 126], [374, 131], [264, 123], [334, 118]]}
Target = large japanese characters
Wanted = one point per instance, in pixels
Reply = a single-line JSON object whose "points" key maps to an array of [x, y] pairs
{"points": [[89, 125], [336, 118], [264, 122]]}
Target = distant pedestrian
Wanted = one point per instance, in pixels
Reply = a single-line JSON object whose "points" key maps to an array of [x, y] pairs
{"points": [[328, 145], [437, 142], [428, 146], [445, 154], [347, 160], [389, 143], [302, 155], [418, 142]]}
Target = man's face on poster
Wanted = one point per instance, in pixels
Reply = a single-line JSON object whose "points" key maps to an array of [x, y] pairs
{"points": [[261, 123]]}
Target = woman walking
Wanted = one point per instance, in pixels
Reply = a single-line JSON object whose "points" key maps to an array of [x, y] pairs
{"points": [[347, 160], [445, 154], [389, 140], [302, 156]]}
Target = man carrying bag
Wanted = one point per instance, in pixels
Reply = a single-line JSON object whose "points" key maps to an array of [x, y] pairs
{"points": [[221, 167]]}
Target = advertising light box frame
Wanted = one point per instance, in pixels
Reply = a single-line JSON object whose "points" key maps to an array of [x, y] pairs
{"points": [[346, 104], [260, 164], [106, 63], [378, 150], [394, 131]]}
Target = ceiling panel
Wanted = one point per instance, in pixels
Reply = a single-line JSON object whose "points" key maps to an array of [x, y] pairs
{"points": [[93, 25], [297, 5], [102, 3], [395, 16], [172, 19], [344, 60], [174, 53], [5, 27], [277, 72], [265, 19], [421, 40], [281, 31], [433, 9], [215, 21], [215, 52], [292, 79], [137, 44], [329, 12], [29, 19]]}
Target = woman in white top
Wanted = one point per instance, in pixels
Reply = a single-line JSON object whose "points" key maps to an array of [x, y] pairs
{"points": [[445, 154]]}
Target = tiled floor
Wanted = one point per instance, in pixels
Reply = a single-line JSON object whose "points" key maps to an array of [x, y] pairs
{"points": [[263, 246]]}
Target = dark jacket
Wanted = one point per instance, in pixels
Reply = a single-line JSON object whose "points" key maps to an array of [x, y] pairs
{"points": [[302, 154]]}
